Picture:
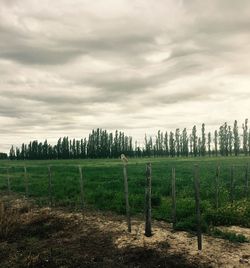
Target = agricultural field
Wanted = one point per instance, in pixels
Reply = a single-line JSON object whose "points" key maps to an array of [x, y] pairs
{"points": [[103, 187]]}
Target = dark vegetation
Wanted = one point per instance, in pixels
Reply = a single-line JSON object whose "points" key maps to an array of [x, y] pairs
{"points": [[226, 141], [231, 236], [3, 156]]}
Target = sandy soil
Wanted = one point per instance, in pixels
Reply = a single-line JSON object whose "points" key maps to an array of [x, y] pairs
{"points": [[45, 237]]}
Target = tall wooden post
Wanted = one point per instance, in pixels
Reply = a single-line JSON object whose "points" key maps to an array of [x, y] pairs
{"points": [[81, 186], [125, 176], [197, 205], [50, 186], [26, 182], [217, 187], [173, 198], [148, 231]]}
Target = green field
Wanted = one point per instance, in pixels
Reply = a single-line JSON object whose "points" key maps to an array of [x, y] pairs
{"points": [[103, 186]]}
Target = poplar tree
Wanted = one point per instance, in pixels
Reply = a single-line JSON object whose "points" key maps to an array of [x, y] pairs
{"points": [[245, 137], [203, 140], [190, 144], [209, 139], [177, 141], [12, 154], [230, 140], [199, 147], [166, 144], [171, 144], [194, 140], [216, 142], [236, 139], [184, 142]]}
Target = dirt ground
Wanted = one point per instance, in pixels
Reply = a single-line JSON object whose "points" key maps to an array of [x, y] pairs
{"points": [[44, 237]]}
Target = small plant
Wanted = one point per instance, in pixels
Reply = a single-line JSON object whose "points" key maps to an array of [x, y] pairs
{"points": [[9, 221], [232, 237]]}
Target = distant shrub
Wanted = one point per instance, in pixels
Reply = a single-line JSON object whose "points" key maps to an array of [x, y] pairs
{"points": [[189, 224], [233, 237], [156, 200], [237, 213]]}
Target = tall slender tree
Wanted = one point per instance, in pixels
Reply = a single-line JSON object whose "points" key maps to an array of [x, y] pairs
{"points": [[236, 139], [245, 137], [195, 140], [209, 140], [203, 140]]}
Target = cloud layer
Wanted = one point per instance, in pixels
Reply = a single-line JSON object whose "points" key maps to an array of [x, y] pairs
{"points": [[72, 65]]}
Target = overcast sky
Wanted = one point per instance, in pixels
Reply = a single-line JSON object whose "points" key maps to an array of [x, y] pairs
{"points": [[67, 66]]}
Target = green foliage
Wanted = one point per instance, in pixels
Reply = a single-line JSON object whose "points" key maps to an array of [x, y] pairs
{"points": [[237, 213], [189, 224], [156, 200], [232, 237], [104, 189]]}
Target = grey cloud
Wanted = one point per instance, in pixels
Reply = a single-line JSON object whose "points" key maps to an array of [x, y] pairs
{"points": [[30, 55], [69, 68]]}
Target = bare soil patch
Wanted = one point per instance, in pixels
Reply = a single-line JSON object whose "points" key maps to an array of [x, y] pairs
{"points": [[45, 237]]}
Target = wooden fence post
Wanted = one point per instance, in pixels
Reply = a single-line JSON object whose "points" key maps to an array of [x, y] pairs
{"points": [[247, 181], [8, 181], [173, 198], [231, 195], [148, 231], [81, 186], [197, 205], [217, 187], [26, 182], [50, 186], [125, 176]]}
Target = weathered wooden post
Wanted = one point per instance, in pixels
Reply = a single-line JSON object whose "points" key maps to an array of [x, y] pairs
{"points": [[26, 182], [148, 231], [217, 187], [231, 194], [197, 205], [8, 181], [125, 176], [247, 181], [173, 198], [50, 186], [81, 186]]}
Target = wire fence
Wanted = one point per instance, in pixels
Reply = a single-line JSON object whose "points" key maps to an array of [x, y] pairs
{"points": [[175, 193]]}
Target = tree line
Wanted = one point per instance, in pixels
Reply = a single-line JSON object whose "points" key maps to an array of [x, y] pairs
{"points": [[225, 141], [3, 156]]}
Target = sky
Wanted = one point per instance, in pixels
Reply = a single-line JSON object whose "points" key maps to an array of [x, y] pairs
{"points": [[68, 66]]}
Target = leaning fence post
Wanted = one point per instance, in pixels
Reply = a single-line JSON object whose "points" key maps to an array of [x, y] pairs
{"points": [[50, 186], [125, 176], [81, 186], [217, 187], [148, 231], [247, 182], [26, 182], [232, 184], [173, 198], [8, 181], [197, 205]]}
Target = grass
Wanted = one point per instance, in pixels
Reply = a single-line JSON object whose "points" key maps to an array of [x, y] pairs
{"points": [[230, 236], [103, 186]]}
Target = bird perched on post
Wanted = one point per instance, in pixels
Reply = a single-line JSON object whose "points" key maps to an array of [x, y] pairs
{"points": [[124, 159]]}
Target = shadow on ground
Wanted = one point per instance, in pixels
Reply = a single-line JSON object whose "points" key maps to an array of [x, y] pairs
{"points": [[42, 238]]}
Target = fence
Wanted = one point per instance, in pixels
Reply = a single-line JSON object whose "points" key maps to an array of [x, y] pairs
{"points": [[79, 186]]}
